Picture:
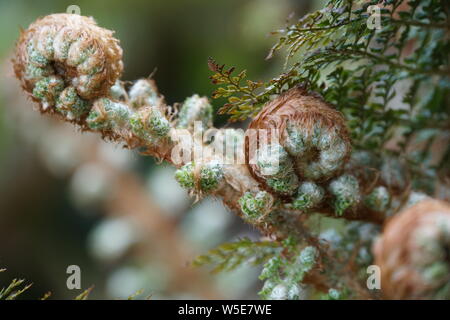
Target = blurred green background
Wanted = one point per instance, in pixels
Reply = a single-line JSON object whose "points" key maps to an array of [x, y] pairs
{"points": [[66, 198]]}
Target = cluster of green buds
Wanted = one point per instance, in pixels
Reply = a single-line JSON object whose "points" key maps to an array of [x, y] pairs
{"points": [[277, 287], [283, 278], [205, 177], [319, 151], [211, 176], [185, 176], [313, 143]]}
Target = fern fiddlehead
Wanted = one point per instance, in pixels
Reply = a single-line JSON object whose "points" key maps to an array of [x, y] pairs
{"points": [[308, 146], [65, 61], [413, 253], [313, 136]]}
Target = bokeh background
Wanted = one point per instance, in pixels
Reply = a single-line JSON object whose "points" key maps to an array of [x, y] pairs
{"points": [[72, 199]]}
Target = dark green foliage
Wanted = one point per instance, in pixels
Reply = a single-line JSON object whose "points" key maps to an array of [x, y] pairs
{"points": [[17, 287], [85, 294], [229, 256], [14, 289], [246, 98], [239, 107]]}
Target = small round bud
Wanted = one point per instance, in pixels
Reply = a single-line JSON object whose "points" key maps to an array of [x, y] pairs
{"points": [[276, 168], [107, 114], [144, 93], [47, 90], [298, 292], [283, 185], [309, 195], [185, 176], [255, 206], [307, 258], [346, 192], [334, 294], [71, 105], [378, 200], [195, 108], [118, 91], [279, 292], [211, 175], [148, 123]]}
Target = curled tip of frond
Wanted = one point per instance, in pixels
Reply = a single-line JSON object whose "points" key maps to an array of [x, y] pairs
{"points": [[413, 252], [309, 131], [67, 51]]}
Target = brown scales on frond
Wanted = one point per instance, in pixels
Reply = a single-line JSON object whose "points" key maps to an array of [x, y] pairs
{"points": [[301, 107]]}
